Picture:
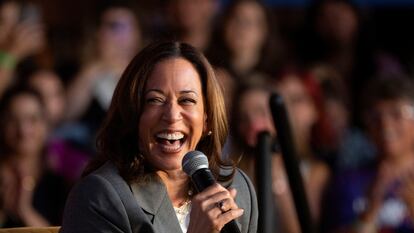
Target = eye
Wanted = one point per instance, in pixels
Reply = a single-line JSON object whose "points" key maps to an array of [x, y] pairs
{"points": [[188, 101], [155, 100]]}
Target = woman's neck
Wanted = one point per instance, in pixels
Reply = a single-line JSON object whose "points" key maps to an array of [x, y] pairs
{"points": [[177, 184]]}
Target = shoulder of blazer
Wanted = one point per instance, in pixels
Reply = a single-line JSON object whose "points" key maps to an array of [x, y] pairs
{"points": [[134, 212], [247, 200]]}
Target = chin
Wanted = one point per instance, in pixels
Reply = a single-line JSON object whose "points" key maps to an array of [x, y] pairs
{"points": [[167, 162], [170, 167]]}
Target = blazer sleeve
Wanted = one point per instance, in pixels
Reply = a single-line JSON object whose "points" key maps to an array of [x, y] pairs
{"points": [[246, 199], [254, 212], [94, 206]]}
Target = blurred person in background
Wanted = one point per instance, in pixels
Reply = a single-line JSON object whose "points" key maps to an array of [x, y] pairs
{"points": [[191, 21], [50, 86], [31, 194], [252, 116], [379, 197], [66, 153], [243, 42], [22, 40], [302, 96], [229, 86], [117, 39], [336, 35], [341, 145]]}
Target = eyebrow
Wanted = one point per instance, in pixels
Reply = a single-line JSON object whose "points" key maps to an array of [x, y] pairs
{"points": [[181, 92]]}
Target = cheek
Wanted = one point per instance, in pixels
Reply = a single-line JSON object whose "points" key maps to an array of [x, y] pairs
{"points": [[41, 130], [196, 122], [408, 132], [305, 113], [10, 135]]}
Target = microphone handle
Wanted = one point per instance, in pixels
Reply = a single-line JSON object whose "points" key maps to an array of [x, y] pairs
{"points": [[202, 179], [282, 124], [264, 183]]}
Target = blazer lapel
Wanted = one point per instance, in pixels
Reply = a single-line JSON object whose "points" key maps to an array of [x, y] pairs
{"points": [[135, 214], [153, 198]]}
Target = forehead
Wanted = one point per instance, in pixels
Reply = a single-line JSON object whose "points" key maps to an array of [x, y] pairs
{"points": [[24, 103], [249, 8], [45, 80], [118, 13], [174, 72], [391, 103], [255, 96], [253, 100]]}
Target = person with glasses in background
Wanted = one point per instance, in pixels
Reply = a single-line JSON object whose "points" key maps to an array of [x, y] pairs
{"points": [[379, 197]]}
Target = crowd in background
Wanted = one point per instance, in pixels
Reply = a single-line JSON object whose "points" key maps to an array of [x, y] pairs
{"points": [[350, 104]]}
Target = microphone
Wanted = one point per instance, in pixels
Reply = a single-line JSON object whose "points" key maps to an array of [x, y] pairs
{"points": [[195, 164], [264, 182], [284, 136]]}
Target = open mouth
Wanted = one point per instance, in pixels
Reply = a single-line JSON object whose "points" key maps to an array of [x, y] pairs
{"points": [[170, 141]]}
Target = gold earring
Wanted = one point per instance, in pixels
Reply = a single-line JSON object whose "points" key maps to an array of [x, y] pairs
{"points": [[209, 133]]}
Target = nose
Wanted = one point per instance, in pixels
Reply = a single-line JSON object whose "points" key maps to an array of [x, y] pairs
{"points": [[172, 112], [24, 128]]}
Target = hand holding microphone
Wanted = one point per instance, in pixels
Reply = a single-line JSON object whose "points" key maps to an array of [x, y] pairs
{"points": [[213, 208]]}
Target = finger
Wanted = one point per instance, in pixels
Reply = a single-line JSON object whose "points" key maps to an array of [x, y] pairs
{"points": [[230, 215], [210, 191], [214, 200], [224, 200], [226, 205], [233, 192]]}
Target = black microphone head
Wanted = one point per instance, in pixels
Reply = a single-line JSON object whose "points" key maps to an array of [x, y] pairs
{"points": [[193, 161]]}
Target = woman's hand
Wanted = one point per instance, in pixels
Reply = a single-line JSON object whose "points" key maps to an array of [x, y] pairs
{"points": [[386, 176], [212, 209], [18, 196], [406, 191], [27, 39]]}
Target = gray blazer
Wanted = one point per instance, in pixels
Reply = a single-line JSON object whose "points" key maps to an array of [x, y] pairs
{"points": [[104, 202]]}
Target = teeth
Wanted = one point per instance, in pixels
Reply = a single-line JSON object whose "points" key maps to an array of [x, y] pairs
{"points": [[171, 136]]}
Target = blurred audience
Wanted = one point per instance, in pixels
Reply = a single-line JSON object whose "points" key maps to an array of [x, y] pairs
{"points": [[340, 144], [67, 153], [251, 116], [336, 35], [244, 42], [116, 40], [22, 39], [379, 196], [191, 21], [302, 94], [50, 86], [31, 195]]}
